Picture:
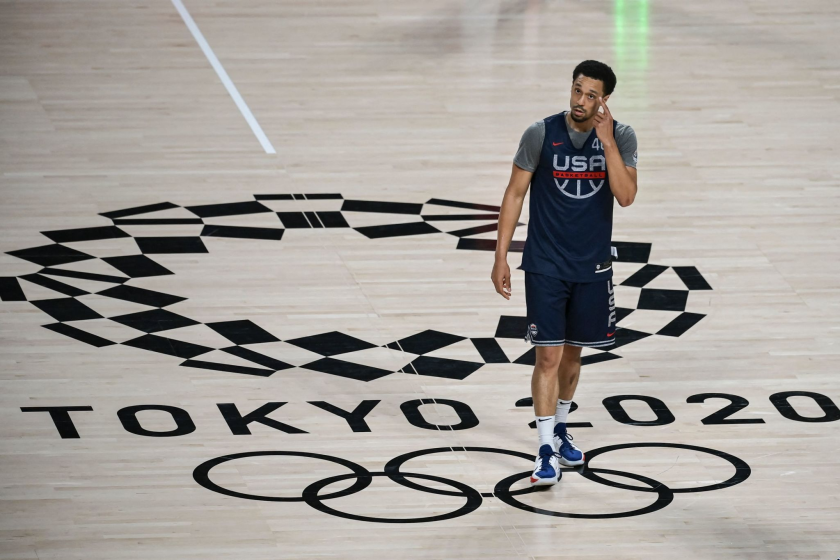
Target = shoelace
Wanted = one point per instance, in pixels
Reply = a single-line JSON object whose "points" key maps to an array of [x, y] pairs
{"points": [[566, 439], [546, 458]]}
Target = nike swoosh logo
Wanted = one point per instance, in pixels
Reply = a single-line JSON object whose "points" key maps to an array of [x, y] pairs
{"points": [[609, 335], [546, 420], [556, 143]]}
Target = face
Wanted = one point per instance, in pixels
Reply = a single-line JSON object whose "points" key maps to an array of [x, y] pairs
{"points": [[584, 100]]}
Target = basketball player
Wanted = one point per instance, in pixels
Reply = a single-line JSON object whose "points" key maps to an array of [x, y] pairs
{"points": [[577, 162]]}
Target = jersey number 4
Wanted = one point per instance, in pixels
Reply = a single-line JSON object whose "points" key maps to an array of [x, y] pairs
{"points": [[596, 144]]}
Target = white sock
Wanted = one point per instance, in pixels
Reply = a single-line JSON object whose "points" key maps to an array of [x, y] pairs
{"points": [[545, 428], [562, 412]]}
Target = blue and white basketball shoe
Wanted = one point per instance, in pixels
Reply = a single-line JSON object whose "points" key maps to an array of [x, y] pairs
{"points": [[568, 453], [546, 469]]}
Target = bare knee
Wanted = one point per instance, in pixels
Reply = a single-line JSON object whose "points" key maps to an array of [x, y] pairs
{"points": [[570, 357], [569, 369], [548, 358]]}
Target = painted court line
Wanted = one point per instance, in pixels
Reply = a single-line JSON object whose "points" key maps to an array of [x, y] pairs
{"points": [[217, 66]]}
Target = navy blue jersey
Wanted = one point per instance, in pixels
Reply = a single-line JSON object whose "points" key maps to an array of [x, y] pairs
{"points": [[570, 227]]}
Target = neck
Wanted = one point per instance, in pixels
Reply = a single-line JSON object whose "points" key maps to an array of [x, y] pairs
{"points": [[584, 126]]}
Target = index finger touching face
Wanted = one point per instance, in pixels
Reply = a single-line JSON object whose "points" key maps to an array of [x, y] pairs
{"points": [[604, 105]]}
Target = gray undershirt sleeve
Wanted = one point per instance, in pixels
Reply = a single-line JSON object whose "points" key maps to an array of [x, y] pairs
{"points": [[625, 140], [528, 155]]}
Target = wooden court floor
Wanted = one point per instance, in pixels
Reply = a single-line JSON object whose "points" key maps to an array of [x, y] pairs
{"points": [[277, 338]]}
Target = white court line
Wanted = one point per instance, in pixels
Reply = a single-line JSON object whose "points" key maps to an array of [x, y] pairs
{"points": [[217, 66]]}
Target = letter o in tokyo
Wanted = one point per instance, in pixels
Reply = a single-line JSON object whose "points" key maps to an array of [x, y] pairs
{"points": [[183, 423], [411, 410]]}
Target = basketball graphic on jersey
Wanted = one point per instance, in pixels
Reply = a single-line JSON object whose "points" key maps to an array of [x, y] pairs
{"points": [[579, 176]]}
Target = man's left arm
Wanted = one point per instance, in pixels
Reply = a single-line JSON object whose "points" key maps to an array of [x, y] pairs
{"points": [[622, 177]]}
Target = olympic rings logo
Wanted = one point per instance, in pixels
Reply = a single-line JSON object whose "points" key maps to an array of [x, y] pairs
{"points": [[312, 494]]}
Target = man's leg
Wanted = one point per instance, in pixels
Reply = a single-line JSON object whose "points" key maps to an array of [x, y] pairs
{"points": [[545, 380], [567, 378], [545, 298], [544, 391], [590, 323], [569, 372]]}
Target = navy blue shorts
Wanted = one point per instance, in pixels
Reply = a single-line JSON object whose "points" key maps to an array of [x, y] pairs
{"points": [[561, 312]]}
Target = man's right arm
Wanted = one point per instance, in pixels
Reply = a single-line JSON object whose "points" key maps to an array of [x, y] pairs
{"points": [[517, 188]]}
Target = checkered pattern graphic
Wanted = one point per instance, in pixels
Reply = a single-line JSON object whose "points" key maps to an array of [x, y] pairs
{"points": [[153, 322]]}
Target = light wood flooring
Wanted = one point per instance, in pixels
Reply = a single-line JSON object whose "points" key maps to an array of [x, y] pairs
{"points": [[106, 106]]}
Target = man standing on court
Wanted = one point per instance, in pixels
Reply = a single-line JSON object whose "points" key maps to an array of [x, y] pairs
{"points": [[575, 174]]}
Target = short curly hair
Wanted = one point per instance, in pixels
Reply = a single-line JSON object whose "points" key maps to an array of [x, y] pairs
{"points": [[597, 71]]}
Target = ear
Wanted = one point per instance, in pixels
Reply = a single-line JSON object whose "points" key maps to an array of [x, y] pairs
{"points": [[606, 98]]}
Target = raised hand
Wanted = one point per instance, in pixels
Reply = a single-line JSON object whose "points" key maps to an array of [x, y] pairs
{"points": [[604, 123]]}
